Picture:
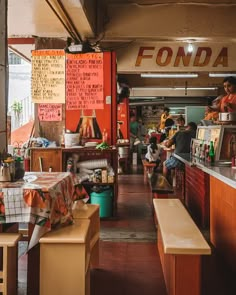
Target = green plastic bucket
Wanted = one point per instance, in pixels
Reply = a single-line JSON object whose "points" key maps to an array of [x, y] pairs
{"points": [[104, 199]]}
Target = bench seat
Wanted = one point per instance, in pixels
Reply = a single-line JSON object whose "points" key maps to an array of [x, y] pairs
{"points": [[160, 185], [180, 245]]}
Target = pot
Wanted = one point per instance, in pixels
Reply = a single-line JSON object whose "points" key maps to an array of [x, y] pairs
{"points": [[227, 117], [5, 173]]}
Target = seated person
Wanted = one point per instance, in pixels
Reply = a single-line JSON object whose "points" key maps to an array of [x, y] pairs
{"points": [[182, 141], [153, 152], [180, 121]]}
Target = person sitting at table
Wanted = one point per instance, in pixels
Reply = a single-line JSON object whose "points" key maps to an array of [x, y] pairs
{"points": [[180, 121], [154, 151], [168, 124], [182, 141]]}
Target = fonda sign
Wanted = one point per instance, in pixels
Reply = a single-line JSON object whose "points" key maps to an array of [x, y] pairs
{"points": [[174, 58]]}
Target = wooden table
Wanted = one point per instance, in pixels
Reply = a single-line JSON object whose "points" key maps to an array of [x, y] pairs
{"points": [[44, 202]]}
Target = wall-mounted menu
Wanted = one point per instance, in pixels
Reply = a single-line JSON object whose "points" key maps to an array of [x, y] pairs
{"points": [[84, 81], [48, 76], [50, 112]]}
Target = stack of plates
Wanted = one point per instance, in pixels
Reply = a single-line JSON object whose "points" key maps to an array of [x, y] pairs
{"points": [[90, 144]]}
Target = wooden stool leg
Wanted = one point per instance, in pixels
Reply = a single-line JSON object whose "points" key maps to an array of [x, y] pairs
{"points": [[145, 174], [9, 272]]}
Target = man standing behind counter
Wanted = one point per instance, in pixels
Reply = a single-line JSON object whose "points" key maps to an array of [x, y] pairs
{"points": [[182, 141]]}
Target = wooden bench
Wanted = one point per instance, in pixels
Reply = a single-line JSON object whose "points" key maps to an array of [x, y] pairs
{"points": [[180, 244], [147, 169], [8, 273], [91, 212], [65, 260], [160, 187]]}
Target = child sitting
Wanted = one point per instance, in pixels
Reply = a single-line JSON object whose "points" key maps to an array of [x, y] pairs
{"points": [[153, 151]]}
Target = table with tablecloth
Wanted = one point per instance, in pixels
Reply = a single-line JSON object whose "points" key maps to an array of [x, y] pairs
{"points": [[44, 200]]}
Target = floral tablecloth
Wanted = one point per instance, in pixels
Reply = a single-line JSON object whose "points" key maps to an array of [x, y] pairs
{"points": [[46, 201]]}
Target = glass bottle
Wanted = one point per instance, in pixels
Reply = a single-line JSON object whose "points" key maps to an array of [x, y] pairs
{"points": [[212, 152]]}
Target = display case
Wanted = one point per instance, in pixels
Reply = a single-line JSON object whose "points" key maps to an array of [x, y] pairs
{"points": [[223, 137]]}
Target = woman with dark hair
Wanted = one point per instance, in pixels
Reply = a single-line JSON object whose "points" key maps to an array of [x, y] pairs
{"points": [[228, 102], [153, 151]]}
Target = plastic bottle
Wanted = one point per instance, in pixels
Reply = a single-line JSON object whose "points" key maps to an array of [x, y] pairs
{"points": [[212, 152]]}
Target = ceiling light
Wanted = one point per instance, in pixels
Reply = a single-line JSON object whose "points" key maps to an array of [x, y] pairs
{"points": [[169, 75], [214, 75], [190, 47]]}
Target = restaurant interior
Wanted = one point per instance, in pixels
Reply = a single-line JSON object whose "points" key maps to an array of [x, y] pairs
{"points": [[81, 210]]}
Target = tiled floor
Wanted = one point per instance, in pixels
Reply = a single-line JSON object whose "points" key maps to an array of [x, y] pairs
{"points": [[129, 260]]}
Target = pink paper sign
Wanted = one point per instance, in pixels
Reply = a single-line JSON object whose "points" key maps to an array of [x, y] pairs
{"points": [[84, 81], [50, 111]]}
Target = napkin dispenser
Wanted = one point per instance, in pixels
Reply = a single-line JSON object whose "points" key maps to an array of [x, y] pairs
{"points": [[5, 173]]}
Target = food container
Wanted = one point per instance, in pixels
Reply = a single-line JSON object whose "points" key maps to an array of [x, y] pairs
{"points": [[227, 117]]}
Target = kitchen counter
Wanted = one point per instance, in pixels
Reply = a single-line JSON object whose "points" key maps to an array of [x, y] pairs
{"points": [[226, 174]]}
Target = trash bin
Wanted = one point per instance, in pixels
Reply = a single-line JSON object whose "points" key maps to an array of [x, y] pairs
{"points": [[104, 200]]}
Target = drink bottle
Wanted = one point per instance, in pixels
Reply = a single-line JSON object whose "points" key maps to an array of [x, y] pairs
{"points": [[212, 152]]}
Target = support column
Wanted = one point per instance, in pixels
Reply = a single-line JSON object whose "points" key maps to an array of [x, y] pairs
{"points": [[3, 75]]}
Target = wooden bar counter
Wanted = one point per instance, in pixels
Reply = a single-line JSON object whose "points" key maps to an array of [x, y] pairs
{"points": [[222, 189]]}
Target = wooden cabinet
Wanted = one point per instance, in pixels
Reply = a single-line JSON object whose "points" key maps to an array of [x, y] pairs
{"points": [[91, 154], [223, 221], [49, 157]]}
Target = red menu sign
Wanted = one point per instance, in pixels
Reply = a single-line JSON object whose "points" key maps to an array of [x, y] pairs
{"points": [[84, 81]]}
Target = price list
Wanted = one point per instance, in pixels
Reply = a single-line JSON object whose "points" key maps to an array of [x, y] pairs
{"points": [[48, 76], [84, 81], [50, 111]]}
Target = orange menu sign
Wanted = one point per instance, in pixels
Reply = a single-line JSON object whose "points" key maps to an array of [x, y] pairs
{"points": [[50, 111], [84, 81], [48, 76]]}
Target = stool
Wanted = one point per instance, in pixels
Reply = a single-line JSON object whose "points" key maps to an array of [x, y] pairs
{"points": [[8, 275], [65, 259], [147, 169], [91, 212]]}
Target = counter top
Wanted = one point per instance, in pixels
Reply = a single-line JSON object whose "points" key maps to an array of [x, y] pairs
{"points": [[224, 174]]}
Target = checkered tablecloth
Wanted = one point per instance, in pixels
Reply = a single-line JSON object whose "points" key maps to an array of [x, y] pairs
{"points": [[46, 202]]}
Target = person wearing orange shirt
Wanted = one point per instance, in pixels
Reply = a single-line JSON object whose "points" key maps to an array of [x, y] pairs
{"points": [[165, 115], [228, 102]]}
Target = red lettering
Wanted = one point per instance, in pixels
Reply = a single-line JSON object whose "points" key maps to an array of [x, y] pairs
{"points": [[181, 55], [222, 58], [160, 53], [141, 55], [206, 60]]}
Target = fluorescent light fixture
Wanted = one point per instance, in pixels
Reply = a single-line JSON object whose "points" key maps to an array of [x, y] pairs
{"points": [[169, 75], [214, 75], [143, 97], [174, 88]]}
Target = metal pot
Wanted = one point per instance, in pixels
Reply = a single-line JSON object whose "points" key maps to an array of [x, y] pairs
{"points": [[227, 117]]}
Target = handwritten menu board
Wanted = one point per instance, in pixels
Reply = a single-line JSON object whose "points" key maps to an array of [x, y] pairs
{"points": [[84, 81], [48, 76], [50, 111]]}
